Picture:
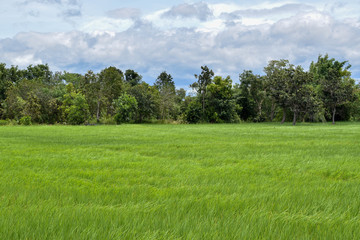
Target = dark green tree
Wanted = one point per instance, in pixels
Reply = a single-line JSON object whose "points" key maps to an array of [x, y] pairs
{"points": [[111, 87], [301, 96], [277, 75], [125, 108], [147, 99], [203, 80], [75, 108], [193, 111], [40, 72], [35, 99], [355, 105], [335, 80], [167, 96], [221, 105], [252, 95], [132, 77]]}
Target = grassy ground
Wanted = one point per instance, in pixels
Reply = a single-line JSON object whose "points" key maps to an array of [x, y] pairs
{"points": [[244, 181]]}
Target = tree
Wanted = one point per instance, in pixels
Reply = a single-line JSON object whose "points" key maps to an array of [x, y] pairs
{"points": [[355, 105], [203, 80], [146, 97], [221, 105], [102, 89], [252, 95], [301, 95], [32, 107], [40, 72], [77, 80], [33, 98], [166, 86], [92, 90], [335, 80], [4, 85], [75, 108], [111, 86], [132, 77], [125, 108], [8, 78], [193, 111], [4, 82], [180, 95], [165, 80], [277, 75]]}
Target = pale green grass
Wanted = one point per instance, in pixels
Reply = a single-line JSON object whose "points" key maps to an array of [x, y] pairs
{"points": [[245, 181]]}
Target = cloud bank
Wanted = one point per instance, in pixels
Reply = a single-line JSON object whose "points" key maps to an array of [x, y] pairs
{"points": [[227, 41]]}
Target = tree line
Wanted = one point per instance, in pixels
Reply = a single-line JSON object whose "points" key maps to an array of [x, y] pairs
{"points": [[326, 92]]}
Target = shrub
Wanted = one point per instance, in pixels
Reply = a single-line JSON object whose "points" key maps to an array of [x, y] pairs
{"points": [[193, 112], [107, 120], [3, 122], [26, 120], [125, 107]]}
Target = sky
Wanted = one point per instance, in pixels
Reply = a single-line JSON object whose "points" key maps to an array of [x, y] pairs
{"points": [[177, 36]]}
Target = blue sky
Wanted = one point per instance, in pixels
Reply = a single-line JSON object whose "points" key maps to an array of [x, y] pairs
{"points": [[177, 36]]}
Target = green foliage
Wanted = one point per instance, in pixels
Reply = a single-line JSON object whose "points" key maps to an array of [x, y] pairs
{"points": [[165, 81], [147, 100], [39, 72], [75, 108], [4, 81], [193, 112], [355, 106], [221, 105], [244, 98], [107, 120], [26, 121], [3, 122], [335, 80], [77, 80], [125, 108], [327, 91], [277, 77], [203, 80], [111, 86], [78, 112], [133, 78], [167, 96]]}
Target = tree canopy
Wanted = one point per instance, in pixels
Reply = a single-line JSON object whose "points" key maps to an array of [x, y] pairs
{"points": [[285, 91]]}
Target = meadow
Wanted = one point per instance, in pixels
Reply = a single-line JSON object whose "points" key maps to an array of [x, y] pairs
{"points": [[230, 181]]}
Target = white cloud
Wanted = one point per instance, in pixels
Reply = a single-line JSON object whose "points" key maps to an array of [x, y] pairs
{"points": [[232, 38], [198, 10], [124, 13], [25, 60], [105, 24]]}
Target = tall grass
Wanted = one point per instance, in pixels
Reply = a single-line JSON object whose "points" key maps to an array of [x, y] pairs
{"points": [[243, 181]]}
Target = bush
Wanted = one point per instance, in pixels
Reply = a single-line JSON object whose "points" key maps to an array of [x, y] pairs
{"points": [[78, 112], [3, 122], [26, 121], [125, 108], [193, 112], [107, 120]]}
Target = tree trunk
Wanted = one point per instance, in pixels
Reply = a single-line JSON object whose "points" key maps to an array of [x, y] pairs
{"points": [[284, 116], [98, 111], [203, 104], [294, 119], [260, 108], [333, 116], [272, 111]]}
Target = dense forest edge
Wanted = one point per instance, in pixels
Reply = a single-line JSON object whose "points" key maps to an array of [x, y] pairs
{"points": [[326, 92]]}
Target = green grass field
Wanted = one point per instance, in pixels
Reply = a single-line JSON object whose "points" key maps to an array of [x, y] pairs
{"points": [[243, 181]]}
